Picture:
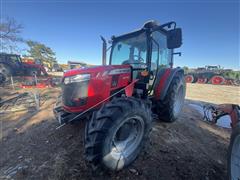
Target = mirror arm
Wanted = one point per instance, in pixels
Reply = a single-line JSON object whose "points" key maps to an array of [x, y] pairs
{"points": [[177, 53], [169, 24]]}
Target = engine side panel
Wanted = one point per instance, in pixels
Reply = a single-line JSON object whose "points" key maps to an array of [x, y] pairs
{"points": [[102, 82]]}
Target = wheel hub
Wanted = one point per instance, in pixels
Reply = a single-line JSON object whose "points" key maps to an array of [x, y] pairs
{"points": [[128, 136]]}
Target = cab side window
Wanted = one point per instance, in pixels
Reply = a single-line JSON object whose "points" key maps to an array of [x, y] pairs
{"points": [[164, 53]]}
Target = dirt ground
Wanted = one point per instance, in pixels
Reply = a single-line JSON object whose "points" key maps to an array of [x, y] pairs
{"points": [[213, 94], [32, 148]]}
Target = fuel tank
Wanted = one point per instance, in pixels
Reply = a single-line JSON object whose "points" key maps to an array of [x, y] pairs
{"points": [[85, 87]]}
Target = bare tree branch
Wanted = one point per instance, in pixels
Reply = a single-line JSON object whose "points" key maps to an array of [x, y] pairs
{"points": [[10, 32]]}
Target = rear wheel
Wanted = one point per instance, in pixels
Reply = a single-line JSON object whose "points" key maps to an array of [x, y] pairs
{"points": [[189, 78], [116, 133], [217, 80], [169, 108], [234, 155]]}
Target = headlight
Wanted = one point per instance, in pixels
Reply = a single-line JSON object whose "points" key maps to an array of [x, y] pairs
{"points": [[77, 78]]}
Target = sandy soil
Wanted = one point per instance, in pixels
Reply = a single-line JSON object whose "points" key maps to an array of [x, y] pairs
{"points": [[213, 94], [32, 148]]}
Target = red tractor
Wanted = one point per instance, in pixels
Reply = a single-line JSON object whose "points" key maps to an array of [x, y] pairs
{"points": [[12, 65], [119, 100]]}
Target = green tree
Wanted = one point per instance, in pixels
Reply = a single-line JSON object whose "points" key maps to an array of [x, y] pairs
{"points": [[237, 75], [40, 51]]}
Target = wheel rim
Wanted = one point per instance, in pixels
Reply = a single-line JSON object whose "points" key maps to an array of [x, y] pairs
{"points": [[235, 159], [189, 78], [125, 140], [128, 136], [217, 80], [179, 98]]}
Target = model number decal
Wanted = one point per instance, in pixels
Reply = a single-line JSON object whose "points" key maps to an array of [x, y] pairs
{"points": [[119, 71]]}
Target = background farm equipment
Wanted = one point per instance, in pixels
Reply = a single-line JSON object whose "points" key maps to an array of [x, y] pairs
{"points": [[75, 65], [12, 65], [25, 73], [212, 75]]}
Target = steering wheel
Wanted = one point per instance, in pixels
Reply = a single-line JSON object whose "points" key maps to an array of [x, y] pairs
{"points": [[139, 58], [134, 61]]}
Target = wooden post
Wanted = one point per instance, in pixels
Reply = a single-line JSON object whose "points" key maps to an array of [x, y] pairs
{"points": [[12, 83]]}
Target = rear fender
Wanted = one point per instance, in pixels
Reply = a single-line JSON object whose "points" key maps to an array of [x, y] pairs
{"points": [[163, 81]]}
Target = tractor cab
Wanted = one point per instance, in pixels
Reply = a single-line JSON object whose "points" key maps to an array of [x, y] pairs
{"points": [[147, 51], [213, 68]]}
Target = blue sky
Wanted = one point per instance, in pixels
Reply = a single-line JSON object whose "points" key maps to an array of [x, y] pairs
{"points": [[72, 28]]}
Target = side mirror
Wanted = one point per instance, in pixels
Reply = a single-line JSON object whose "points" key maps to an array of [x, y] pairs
{"points": [[174, 38]]}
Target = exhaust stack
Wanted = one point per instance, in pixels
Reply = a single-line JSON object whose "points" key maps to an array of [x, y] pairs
{"points": [[104, 51]]}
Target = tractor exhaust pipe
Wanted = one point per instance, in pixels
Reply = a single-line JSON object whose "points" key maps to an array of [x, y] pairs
{"points": [[104, 51]]}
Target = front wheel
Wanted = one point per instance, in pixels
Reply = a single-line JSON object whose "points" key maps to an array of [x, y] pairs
{"points": [[234, 154], [116, 133], [217, 80]]}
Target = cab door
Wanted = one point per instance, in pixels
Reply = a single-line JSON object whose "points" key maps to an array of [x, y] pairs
{"points": [[160, 57]]}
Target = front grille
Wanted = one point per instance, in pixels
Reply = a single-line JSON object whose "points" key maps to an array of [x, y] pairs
{"points": [[75, 94]]}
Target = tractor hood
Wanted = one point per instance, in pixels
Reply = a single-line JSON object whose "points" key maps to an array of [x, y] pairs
{"points": [[98, 69], [83, 88]]}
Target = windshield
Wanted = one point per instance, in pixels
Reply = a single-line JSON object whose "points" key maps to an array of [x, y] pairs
{"points": [[130, 51]]}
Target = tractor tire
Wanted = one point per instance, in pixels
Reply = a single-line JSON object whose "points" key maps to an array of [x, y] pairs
{"points": [[5, 73], [189, 78], [116, 133], [217, 80], [169, 108], [234, 154]]}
